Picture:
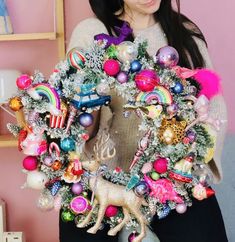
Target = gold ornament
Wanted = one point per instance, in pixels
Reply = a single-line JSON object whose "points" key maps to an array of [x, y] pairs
{"points": [[172, 131], [106, 193], [15, 104]]}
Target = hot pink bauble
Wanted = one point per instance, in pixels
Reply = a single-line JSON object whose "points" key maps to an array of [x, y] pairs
{"points": [[146, 80], [111, 211], [160, 165], [23, 82], [111, 67], [30, 163]]}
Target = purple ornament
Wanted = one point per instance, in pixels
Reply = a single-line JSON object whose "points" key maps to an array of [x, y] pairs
{"points": [[167, 57], [85, 119], [132, 236], [77, 188], [122, 77], [141, 189], [48, 161], [172, 109], [192, 136]]}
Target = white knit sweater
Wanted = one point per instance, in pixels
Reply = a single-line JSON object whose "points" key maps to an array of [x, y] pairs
{"points": [[124, 132]]}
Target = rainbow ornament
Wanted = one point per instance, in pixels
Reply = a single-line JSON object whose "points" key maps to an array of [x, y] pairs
{"points": [[160, 94]]}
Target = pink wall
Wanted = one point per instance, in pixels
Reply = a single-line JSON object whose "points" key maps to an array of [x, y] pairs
{"points": [[27, 56]]}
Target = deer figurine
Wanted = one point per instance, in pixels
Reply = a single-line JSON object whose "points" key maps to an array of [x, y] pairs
{"points": [[106, 193]]}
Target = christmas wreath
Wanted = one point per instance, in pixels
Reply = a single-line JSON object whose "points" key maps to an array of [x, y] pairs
{"points": [[169, 166]]}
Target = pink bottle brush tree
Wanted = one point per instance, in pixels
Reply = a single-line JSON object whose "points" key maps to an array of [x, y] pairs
{"points": [[5, 22]]}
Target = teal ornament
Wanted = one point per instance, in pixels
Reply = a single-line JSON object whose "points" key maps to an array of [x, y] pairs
{"points": [[133, 182], [135, 66], [178, 88], [67, 144]]}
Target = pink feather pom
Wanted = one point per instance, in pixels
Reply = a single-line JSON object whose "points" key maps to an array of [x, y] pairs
{"points": [[209, 81]]}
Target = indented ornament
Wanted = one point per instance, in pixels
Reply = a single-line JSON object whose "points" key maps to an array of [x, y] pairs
{"points": [[172, 131]]}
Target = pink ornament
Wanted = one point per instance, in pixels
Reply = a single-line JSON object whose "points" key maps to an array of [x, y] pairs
{"points": [[79, 205], [132, 236], [23, 82], [111, 67], [147, 167], [160, 165], [146, 80], [163, 190], [48, 161], [111, 211], [181, 208], [30, 163], [77, 188]]}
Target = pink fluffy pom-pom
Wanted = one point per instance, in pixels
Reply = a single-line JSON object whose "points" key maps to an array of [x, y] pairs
{"points": [[209, 81]]}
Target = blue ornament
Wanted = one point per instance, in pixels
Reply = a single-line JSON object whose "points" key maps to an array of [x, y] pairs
{"points": [[67, 144], [141, 189], [55, 188], [85, 119], [135, 66], [178, 88], [166, 210]]}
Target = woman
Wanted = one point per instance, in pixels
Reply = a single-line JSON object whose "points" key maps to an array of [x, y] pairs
{"points": [[156, 21]]}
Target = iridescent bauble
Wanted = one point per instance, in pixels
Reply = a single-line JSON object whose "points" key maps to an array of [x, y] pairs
{"points": [[111, 67], [85, 119], [146, 80], [67, 144], [181, 208], [127, 51], [45, 202], [24, 82], [122, 77], [76, 58], [48, 161], [67, 216], [103, 89], [141, 189], [167, 57], [132, 236], [178, 88], [15, 104], [155, 176], [30, 163], [135, 66], [77, 188], [111, 211], [160, 165]]}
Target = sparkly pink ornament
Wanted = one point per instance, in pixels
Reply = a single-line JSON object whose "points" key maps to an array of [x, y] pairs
{"points": [[132, 236], [79, 205], [167, 57], [111, 211], [23, 82], [147, 167], [77, 188], [146, 80], [122, 77], [30, 163], [160, 165], [111, 67], [181, 208]]}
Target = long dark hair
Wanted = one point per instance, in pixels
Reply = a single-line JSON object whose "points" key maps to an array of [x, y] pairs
{"points": [[180, 31]]}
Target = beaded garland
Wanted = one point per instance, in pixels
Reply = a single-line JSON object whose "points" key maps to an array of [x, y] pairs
{"points": [[168, 168]]}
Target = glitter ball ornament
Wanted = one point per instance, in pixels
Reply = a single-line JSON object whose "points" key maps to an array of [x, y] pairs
{"points": [[76, 58], [67, 216], [132, 236], [15, 104], [77, 188], [147, 167], [167, 57], [67, 144], [146, 80], [45, 202], [111, 67], [122, 77], [103, 89], [85, 119], [111, 211], [135, 66], [178, 88], [181, 208], [30, 163], [23, 82], [141, 189], [160, 165], [127, 51]]}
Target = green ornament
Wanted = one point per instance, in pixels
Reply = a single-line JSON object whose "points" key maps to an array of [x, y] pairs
{"points": [[132, 182], [155, 176], [112, 52], [67, 216]]}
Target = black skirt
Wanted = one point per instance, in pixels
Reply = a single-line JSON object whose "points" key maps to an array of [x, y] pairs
{"points": [[202, 222]]}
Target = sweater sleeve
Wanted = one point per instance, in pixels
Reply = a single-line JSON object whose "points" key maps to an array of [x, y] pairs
{"points": [[218, 112], [83, 34]]}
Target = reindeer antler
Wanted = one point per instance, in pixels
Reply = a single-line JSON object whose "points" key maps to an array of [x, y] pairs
{"points": [[102, 148]]}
